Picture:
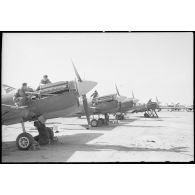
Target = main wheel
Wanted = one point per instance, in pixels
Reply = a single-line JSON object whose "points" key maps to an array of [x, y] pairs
{"points": [[24, 141], [94, 123], [122, 117], [146, 115]]}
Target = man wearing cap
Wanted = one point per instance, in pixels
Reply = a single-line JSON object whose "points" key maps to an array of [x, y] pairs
{"points": [[21, 97], [45, 135], [95, 94], [45, 80]]}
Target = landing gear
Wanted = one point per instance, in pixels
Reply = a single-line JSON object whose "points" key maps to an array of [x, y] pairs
{"points": [[24, 140], [100, 121], [107, 119], [94, 123], [120, 117], [146, 115], [150, 114]]}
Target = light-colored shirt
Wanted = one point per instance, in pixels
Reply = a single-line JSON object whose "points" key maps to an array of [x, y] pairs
{"points": [[43, 81]]}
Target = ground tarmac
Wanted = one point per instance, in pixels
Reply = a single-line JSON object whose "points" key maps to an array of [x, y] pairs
{"points": [[136, 139]]}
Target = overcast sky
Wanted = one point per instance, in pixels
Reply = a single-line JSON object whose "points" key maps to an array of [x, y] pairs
{"points": [[150, 64]]}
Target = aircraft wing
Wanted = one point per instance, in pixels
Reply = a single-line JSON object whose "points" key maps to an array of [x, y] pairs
{"points": [[11, 114], [166, 107]]}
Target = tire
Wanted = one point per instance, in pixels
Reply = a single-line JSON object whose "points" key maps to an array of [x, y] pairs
{"points": [[24, 141], [146, 115], [94, 123]]}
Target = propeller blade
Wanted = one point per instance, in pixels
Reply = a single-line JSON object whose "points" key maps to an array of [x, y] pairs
{"points": [[117, 90], [76, 85], [86, 109], [157, 100], [76, 72], [133, 95], [82, 84]]}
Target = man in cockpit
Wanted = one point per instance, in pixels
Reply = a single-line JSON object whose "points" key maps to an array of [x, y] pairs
{"points": [[44, 81], [21, 97]]}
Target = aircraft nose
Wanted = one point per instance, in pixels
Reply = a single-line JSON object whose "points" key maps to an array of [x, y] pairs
{"points": [[121, 98], [135, 100], [85, 86], [128, 100]]}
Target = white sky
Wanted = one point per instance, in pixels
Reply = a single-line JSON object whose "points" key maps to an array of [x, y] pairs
{"points": [[150, 64]]}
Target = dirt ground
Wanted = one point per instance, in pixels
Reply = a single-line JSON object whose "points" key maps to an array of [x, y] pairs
{"points": [[167, 138]]}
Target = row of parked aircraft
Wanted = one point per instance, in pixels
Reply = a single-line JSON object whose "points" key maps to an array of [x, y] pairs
{"points": [[68, 99]]}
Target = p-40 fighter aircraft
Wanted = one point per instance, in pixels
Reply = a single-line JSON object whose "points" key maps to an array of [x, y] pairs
{"points": [[125, 105], [103, 105], [173, 107], [149, 109], [53, 100], [109, 104]]}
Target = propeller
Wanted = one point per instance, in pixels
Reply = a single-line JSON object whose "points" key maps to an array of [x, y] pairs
{"points": [[158, 103], [134, 99], [83, 95], [133, 95], [119, 98], [117, 90]]}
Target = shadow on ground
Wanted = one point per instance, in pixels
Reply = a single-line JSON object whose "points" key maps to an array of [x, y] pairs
{"points": [[143, 126], [68, 145]]}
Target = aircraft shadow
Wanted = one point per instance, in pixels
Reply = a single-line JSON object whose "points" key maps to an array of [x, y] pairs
{"points": [[147, 126], [67, 145], [128, 120], [109, 127], [78, 143], [52, 123]]}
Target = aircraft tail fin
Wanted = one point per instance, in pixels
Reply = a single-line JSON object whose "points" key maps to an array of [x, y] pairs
{"points": [[8, 88]]}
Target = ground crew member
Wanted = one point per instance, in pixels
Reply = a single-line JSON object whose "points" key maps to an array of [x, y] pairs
{"points": [[45, 80], [21, 97], [46, 134], [95, 94]]}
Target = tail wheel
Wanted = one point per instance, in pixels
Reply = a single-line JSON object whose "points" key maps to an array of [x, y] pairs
{"points": [[94, 123], [24, 141]]}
